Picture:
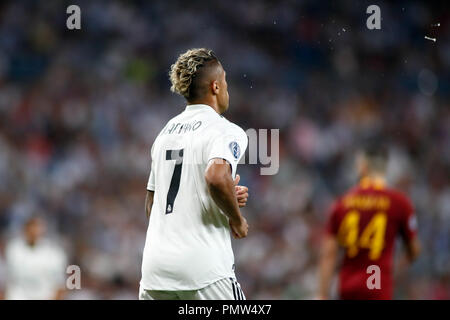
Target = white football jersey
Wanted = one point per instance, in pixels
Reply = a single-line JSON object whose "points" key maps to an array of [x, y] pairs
{"points": [[188, 244]]}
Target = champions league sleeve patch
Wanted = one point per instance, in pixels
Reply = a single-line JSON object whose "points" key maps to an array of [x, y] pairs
{"points": [[235, 149]]}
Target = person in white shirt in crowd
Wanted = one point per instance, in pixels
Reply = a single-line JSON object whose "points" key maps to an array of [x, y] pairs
{"points": [[35, 267]]}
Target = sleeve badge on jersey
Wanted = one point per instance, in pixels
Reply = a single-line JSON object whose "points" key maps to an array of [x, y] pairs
{"points": [[235, 149]]}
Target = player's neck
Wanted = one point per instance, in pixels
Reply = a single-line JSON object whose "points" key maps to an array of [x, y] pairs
{"points": [[373, 180], [31, 242]]}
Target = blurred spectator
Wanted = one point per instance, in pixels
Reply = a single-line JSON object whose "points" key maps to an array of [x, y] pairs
{"points": [[35, 268]]}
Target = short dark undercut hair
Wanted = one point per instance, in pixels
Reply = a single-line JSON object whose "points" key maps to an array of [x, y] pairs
{"points": [[187, 72]]}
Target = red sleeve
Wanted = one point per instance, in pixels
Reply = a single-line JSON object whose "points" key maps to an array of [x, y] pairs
{"points": [[408, 220], [333, 219]]}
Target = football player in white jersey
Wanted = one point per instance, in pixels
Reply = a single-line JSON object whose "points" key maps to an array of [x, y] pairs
{"points": [[193, 200]]}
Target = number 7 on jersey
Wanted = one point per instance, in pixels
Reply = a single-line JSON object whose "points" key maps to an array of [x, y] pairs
{"points": [[176, 155]]}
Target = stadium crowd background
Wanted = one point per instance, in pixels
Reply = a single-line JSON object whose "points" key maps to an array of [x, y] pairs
{"points": [[80, 109]]}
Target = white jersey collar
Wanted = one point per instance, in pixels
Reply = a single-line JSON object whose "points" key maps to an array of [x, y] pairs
{"points": [[199, 107]]}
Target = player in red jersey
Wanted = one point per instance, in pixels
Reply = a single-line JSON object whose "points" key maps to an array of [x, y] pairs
{"points": [[365, 223]]}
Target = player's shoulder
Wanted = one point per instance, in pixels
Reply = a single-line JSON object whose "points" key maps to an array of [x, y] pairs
{"points": [[395, 194], [339, 200], [233, 127], [399, 198], [54, 249], [14, 245], [223, 126], [342, 200]]}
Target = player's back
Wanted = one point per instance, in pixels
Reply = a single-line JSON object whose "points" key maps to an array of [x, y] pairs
{"points": [[188, 243], [367, 221]]}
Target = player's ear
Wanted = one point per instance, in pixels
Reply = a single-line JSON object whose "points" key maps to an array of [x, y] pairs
{"points": [[215, 87]]}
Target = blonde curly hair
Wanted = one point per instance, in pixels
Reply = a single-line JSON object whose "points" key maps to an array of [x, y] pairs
{"points": [[184, 70]]}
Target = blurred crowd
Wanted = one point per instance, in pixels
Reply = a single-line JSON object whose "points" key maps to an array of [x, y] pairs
{"points": [[79, 110]]}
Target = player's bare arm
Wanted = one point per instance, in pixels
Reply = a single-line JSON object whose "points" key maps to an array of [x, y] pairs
{"points": [[222, 189], [149, 202], [327, 265], [413, 249]]}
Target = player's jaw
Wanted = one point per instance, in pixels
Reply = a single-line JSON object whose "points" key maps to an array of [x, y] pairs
{"points": [[223, 98]]}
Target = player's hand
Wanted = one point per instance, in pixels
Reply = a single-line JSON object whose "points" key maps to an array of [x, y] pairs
{"points": [[241, 192], [239, 229], [242, 195]]}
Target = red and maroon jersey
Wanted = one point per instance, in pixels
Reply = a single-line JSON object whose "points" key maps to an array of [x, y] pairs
{"points": [[366, 222]]}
